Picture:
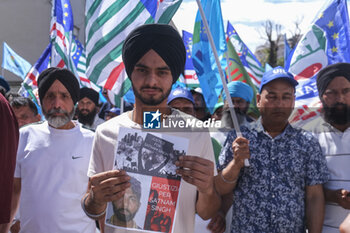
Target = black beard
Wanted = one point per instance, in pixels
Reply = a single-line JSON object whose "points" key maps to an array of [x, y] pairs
{"points": [[123, 217], [87, 119], [338, 113], [151, 102]]}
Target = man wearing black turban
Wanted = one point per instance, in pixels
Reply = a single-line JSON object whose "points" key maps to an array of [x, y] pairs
{"points": [[52, 160], [88, 108], [332, 129], [154, 57]]}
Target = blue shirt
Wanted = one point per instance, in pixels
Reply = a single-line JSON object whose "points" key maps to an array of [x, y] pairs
{"points": [[270, 193]]}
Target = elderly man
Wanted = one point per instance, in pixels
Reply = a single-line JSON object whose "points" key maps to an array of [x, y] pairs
{"points": [[182, 100], [154, 56], [241, 96], [88, 108], [25, 110], [282, 187], [52, 161], [332, 129]]}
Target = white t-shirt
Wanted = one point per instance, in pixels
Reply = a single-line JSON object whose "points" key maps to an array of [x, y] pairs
{"points": [[52, 165], [336, 147], [102, 159]]}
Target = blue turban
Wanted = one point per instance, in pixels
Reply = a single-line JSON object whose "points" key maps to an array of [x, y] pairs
{"points": [[241, 90]]}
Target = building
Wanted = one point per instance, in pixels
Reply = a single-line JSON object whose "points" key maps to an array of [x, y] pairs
{"points": [[25, 26]]}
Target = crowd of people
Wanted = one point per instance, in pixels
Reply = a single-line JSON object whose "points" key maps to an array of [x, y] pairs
{"points": [[58, 170]]}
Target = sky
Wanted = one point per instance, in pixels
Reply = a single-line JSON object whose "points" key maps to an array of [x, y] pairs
{"points": [[247, 16]]}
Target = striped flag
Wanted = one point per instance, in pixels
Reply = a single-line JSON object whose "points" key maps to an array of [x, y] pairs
{"points": [[327, 42], [237, 72], [29, 86], [107, 25], [249, 61], [14, 63], [61, 34], [79, 61], [190, 79]]}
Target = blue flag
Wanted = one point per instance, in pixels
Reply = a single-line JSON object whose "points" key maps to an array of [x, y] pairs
{"points": [[202, 53], [326, 42], [14, 63]]}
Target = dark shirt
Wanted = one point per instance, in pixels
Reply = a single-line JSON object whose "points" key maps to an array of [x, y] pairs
{"points": [[8, 149], [270, 193]]}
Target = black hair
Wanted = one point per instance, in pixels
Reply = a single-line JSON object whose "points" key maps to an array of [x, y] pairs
{"points": [[20, 101]]}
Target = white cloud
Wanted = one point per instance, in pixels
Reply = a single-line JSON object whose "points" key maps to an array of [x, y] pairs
{"points": [[247, 16]]}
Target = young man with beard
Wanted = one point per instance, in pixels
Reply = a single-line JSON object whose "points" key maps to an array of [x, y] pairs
{"points": [[52, 161], [332, 129], [87, 108], [281, 190], [125, 208], [154, 56]]}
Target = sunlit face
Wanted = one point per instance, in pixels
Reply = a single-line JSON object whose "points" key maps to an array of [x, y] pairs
{"points": [[126, 207], [276, 101], [57, 105], [151, 80], [25, 115], [184, 105], [336, 101], [86, 106]]}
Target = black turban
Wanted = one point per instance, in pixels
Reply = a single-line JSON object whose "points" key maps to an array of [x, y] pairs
{"points": [[163, 39], [67, 78], [326, 75], [90, 94]]}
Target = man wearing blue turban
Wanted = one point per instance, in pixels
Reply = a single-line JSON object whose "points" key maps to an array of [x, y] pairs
{"points": [[241, 96]]}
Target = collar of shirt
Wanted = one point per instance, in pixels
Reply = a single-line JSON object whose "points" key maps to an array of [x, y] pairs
{"points": [[257, 127]]}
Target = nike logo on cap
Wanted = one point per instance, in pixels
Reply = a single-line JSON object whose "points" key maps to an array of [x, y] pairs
{"points": [[76, 157]]}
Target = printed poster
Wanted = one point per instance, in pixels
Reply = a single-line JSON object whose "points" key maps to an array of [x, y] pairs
{"points": [[149, 205]]}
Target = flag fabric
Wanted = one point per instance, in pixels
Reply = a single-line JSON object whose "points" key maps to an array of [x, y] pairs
{"points": [[287, 51], [14, 63], [326, 42], [61, 34], [202, 53], [237, 72], [79, 60], [190, 80], [29, 86], [107, 25], [249, 61]]}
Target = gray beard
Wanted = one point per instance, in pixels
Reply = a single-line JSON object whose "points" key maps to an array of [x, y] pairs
{"points": [[227, 120], [58, 121]]}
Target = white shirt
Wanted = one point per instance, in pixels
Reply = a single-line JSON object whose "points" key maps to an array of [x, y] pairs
{"points": [[52, 165], [336, 147], [102, 159]]}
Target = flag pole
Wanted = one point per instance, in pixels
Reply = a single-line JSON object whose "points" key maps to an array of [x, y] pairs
{"points": [[121, 105], [227, 93]]}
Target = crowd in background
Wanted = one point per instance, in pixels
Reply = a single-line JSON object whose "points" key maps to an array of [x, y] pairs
{"points": [[292, 173]]}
